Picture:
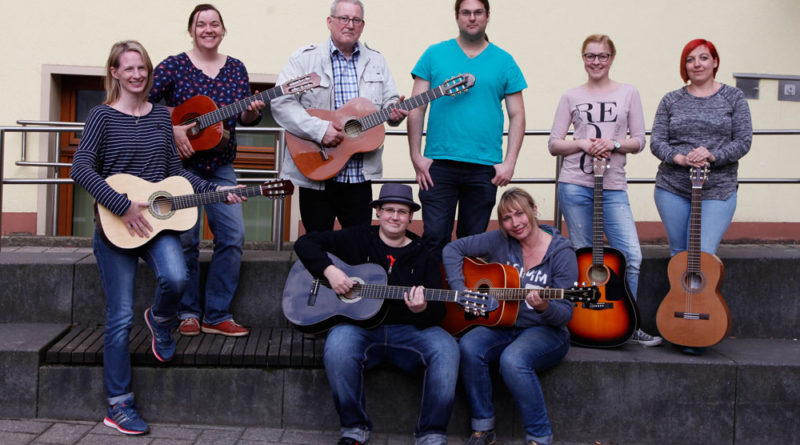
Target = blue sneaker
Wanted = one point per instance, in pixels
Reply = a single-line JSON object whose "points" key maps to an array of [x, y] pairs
{"points": [[125, 419], [163, 344]]}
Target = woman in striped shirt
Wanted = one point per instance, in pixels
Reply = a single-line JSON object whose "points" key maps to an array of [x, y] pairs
{"points": [[127, 134]]}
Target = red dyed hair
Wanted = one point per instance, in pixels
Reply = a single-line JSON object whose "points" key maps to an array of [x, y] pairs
{"points": [[691, 47]]}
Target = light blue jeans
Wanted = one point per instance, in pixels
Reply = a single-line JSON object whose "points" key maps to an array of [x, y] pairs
{"points": [[577, 205], [350, 350], [521, 353], [118, 276], [715, 219], [227, 225]]}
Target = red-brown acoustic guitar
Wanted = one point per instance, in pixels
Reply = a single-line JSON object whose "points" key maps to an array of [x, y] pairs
{"points": [[363, 129], [210, 131], [500, 281], [613, 318], [693, 313]]}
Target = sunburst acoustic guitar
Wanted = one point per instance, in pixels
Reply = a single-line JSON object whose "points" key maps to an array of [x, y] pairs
{"points": [[613, 318], [172, 204], [694, 313], [363, 129]]}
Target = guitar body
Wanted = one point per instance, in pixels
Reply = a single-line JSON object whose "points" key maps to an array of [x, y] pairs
{"points": [[479, 276], [201, 139], [159, 217], [307, 155], [611, 320], [694, 313], [316, 314]]}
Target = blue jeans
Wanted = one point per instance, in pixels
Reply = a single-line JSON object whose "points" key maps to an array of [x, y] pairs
{"points": [[521, 353], [577, 205], [457, 183], [350, 350], [118, 276], [715, 219], [227, 225]]}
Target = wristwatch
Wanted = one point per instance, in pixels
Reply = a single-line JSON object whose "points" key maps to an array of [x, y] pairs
{"points": [[616, 146]]}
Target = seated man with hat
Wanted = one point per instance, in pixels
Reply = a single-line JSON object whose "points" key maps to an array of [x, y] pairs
{"points": [[407, 335]]}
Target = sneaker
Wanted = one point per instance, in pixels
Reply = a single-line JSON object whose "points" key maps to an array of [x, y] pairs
{"points": [[163, 345], [481, 438], [348, 441], [189, 327], [643, 338], [124, 418], [227, 327]]}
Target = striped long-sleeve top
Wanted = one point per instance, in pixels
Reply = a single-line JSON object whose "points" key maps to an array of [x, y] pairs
{"points": [[114, 142]]}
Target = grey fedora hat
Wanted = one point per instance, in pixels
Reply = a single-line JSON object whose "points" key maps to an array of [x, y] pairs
{"points": [[397, 193]]}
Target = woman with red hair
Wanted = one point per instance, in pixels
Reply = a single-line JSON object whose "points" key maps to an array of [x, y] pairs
{"points": [[705, 122]]}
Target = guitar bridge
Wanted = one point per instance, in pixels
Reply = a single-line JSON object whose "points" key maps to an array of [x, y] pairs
{"points": [[692, 316], [312, 293], [597, 306], [323, 153]]}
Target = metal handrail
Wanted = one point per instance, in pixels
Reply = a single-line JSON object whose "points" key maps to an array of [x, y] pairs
{"points": [[32, 126]]}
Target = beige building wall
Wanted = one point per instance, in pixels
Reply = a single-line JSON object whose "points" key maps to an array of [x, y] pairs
{"points": [[46, 38]]}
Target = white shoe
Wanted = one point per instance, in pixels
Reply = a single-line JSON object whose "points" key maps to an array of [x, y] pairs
{"points": [[643, 338]]}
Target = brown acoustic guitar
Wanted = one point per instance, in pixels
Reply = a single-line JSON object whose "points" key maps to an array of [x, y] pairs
{"points": [[363, 128], [693, 313], [501, 281], [210, 131], [173, 205]]}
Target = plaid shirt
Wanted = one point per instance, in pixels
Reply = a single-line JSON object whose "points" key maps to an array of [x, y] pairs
{"points": [[345, 87]]}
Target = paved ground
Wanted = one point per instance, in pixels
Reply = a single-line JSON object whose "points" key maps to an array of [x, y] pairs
{"points": [[44, 431]]}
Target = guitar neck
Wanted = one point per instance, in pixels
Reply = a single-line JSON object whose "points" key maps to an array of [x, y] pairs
{"points": [[695, 217], [597, 220], [198, 199], [234, 109], [518, 294], [384, 292], [381, 116]]}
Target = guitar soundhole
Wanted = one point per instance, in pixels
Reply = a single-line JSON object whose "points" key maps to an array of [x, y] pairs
{"points": [[693, 281], [598, 274], [160, 205], [352, 128], [353, 296]]}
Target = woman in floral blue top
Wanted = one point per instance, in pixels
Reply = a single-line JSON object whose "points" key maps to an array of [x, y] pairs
{"points": [[203, 70]]}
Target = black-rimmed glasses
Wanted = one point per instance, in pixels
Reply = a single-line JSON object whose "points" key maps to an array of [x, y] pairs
{"points": [[603, 57]]}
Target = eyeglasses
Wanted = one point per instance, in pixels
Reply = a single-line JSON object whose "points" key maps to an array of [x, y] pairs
{"points": [[392, 211], [466, 13], [603, 57], [344, 20]]}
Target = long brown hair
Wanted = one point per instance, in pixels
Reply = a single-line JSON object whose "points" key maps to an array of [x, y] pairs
{"points": [[113, 90]]}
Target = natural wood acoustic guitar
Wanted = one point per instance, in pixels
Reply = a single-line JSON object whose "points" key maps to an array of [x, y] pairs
{"points": [[173, 204], [694, 313], [363, 128]]}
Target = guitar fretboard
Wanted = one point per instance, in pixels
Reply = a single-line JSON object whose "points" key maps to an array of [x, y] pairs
{"points": [[597, 215], [198, 199], [381, 116], [695, 217], [384, 292], [511, 294], [234, 109]]}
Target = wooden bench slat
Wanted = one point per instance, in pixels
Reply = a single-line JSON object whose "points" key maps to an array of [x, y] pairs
{"points": [[52, 355]]}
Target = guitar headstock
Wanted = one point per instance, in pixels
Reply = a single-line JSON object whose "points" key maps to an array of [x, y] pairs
{"points": [[458, 84], [698, 175], [589, 294], [476, 302], [300, 84], [279, 188], [599, 165]]}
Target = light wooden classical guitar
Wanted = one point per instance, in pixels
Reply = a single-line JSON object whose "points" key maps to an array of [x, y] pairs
{"points": [[210, 131], [613, 318], [173, 204], [501, 281], [363, 129], [693, 313]]}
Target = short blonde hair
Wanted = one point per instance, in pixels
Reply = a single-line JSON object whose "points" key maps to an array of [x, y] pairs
{"points": [[111, 84], [599, 38], [513, 199]]}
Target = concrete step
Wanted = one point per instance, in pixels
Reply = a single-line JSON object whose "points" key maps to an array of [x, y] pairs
{"points": [[62, 285], [740, 391]]}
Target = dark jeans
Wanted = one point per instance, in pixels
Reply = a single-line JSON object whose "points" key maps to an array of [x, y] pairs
{"points": [[348, 202], [457, 183]]}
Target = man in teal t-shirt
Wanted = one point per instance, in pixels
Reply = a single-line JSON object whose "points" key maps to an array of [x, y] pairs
{"points": [[463, 162]]}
